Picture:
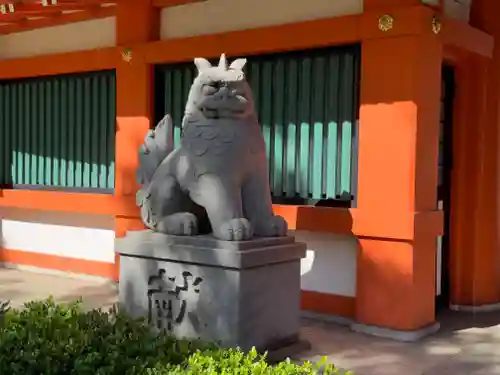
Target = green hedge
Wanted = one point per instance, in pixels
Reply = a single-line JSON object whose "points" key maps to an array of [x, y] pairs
{"points": [[45, 338]]}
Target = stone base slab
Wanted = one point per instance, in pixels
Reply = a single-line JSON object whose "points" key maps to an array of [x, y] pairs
{"points": [[238, 294]]}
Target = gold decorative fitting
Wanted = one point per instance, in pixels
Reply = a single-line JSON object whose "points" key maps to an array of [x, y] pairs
{"points": [[127, 55], [385, 22], [436, 25]]}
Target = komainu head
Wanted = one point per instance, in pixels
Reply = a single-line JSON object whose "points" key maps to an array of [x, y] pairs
{"points": [[219, 92]]}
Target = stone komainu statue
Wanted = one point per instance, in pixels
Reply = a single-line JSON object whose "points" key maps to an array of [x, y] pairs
{"points": [[220, 166]]}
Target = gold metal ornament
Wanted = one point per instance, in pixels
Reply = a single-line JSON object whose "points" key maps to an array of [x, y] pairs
{"points": [[127, 55], [7, 8], [436, 25], [385, 22]]}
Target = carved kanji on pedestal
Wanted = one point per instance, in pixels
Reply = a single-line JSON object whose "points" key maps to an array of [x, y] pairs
{"points": [[167, 303]]}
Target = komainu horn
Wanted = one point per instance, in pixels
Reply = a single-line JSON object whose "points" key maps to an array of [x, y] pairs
{"points": [[219, 170]]}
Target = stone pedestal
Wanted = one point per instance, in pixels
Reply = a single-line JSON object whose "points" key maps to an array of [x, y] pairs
{"points": [[235, 293]]}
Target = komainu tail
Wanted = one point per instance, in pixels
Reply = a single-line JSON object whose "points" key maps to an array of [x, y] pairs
{"points": [[158, 143]]}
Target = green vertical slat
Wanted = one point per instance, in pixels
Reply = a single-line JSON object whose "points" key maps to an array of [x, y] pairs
{"points": [[4, 136], [95, 130], [33, 106], [304, 115], [111, 129], [27, 133], [166, 95], [177, 103], [10, 132], [346, 157], [266, 95], [355, 126], [346, 97], [318, 120], [20, 134], [79, 132], [331, 182], [253, 77], [70, 122], [41, 144], [65, 140], [277, 111], [86, 130], [57, 141], [49, 133], [101, 94], [187, 80], [15, 130], [7, 141], [291, 145], [332, 117]]}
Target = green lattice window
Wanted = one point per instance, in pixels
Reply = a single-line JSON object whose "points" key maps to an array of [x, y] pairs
{"points": [[58, 132]]}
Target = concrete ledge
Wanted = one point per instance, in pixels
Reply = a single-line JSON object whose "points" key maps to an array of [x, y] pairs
{"points": [[311, 315], [406, 336], [476, 309]]}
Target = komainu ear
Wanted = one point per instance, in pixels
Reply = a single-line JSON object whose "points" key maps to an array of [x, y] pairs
{"points": [[202, 64], [238, 64]]}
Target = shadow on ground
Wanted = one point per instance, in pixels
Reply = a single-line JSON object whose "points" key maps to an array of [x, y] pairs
{"points": [[467, 344]]}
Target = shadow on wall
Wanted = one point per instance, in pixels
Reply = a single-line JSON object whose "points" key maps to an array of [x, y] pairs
{"points": [[330, 263]]}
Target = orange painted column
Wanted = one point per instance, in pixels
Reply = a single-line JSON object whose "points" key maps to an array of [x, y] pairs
{"points": [[475, 256], [137, 22], [397, 177]]}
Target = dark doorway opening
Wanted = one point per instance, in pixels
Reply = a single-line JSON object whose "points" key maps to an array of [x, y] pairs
{"points": [[444, 186]]}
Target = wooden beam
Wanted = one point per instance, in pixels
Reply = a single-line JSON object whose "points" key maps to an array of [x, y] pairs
{"points": [[58, 20], [172, 3], [59, 2], [35, 8]]}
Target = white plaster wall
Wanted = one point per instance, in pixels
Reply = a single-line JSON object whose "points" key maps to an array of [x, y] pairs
{"points": [[216, 16], [88, 237], [330, 264], [72, 37]]}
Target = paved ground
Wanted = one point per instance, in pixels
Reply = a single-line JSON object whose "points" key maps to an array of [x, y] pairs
{"points": [[466, 345]]}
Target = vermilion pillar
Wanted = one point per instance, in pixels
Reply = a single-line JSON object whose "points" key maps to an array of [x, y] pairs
{"points": [[475, 257], [398, 159], [137, 22]]}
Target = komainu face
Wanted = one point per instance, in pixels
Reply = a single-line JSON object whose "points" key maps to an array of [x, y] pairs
{"points": [[220, 92]]}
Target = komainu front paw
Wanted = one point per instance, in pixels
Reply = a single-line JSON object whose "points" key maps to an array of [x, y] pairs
{"points": [[179, 224], [235, 230], [273, 226]]}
